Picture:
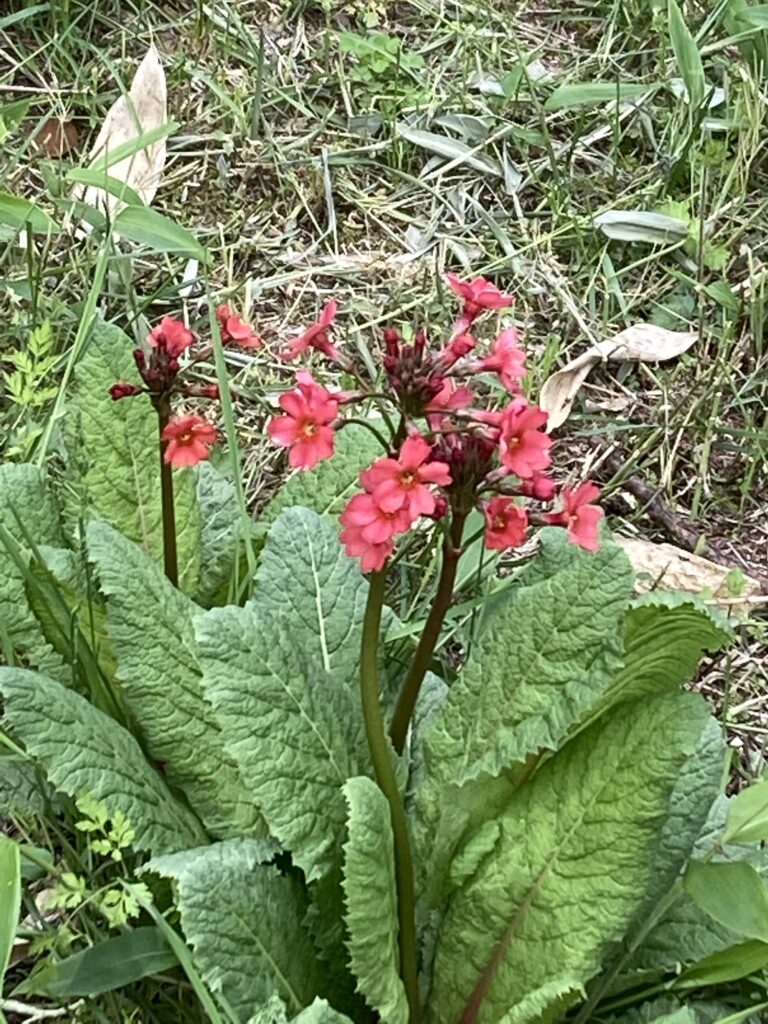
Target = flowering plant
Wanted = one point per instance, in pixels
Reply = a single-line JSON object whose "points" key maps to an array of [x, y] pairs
{"points": [[380, 792]]}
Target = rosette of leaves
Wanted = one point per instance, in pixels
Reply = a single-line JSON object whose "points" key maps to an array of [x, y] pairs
{"points": [[574, 853]]}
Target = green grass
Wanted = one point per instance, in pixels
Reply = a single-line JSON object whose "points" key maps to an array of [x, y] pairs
{"points": [[295, 164]]}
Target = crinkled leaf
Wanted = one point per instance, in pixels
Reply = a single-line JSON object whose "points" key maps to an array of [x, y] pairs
{"points": [[665, 635], [150, 623], [307, 582], [329, 486], [281, 674], [221, 530], [242, 919], [321, 1013], [547, 654], [573, 859], [113, 457], [26, 507], [85, 751], [20, 791], [371, 898], [284, 724]]}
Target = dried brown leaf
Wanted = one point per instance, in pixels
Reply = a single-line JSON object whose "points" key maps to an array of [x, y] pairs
{"points": [[666, 567], [641, 343], [142, 109], [57, 137]]}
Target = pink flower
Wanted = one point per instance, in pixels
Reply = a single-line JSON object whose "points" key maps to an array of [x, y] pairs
{"points": [[579, 515], [506, 359], [450, 397], [369, 531], [189, 439], [235, 331], [523, 447], [456, 349], [305, 429], [316, 336], [478, 295], [505, 524], [171, 335], [401, 483]]}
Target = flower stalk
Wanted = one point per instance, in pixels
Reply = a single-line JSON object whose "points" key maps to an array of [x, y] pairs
{"points": [[409, 692], [170, 556], [384, 772]]}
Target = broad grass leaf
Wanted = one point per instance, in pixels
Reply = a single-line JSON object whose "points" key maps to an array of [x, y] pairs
{"points": [[579, 94], [642, 226], [242, 918], [568, 872], [109, 965], [687, 55], [157, 232], [10, 899], [150, 624], [84, 751], [733, 894], [112, 457], [371, 901], [726, 965], [28, 516], [452, 149], [22, 215], [756, 16], [748, 815], [142, 110]]}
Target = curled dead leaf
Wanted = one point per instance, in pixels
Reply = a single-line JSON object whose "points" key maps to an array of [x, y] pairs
{"points": [[666, 567], [642, 343], [141, 110]]}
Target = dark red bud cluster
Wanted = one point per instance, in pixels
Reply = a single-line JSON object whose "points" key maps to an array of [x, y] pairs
{"points": [[123, 390]]}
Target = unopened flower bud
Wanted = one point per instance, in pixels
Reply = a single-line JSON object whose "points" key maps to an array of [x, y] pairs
{"points": [[392, 342], [140, 359], [210, 391], [441, 507], [543, 488], [123, 390]]}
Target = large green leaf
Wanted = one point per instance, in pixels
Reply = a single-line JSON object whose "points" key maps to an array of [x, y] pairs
{"points": [[665, 636], [329, 486], [85, 751], [281, 674], [28, 513], [748, 815], [732, 894], [243, 922], [371, 898], [19, 790], [150, 624], [547, 655], [221, 530], [114, 461], [307, 582], [568, 870]]}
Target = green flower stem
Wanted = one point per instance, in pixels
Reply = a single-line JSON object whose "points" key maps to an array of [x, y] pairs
{"points": [[409, 692], [170, 557], [384, 771]]}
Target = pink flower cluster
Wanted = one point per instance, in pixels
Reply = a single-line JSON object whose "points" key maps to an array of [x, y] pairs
{"points": [[448, 454], [396, 492], [187, 439]]}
